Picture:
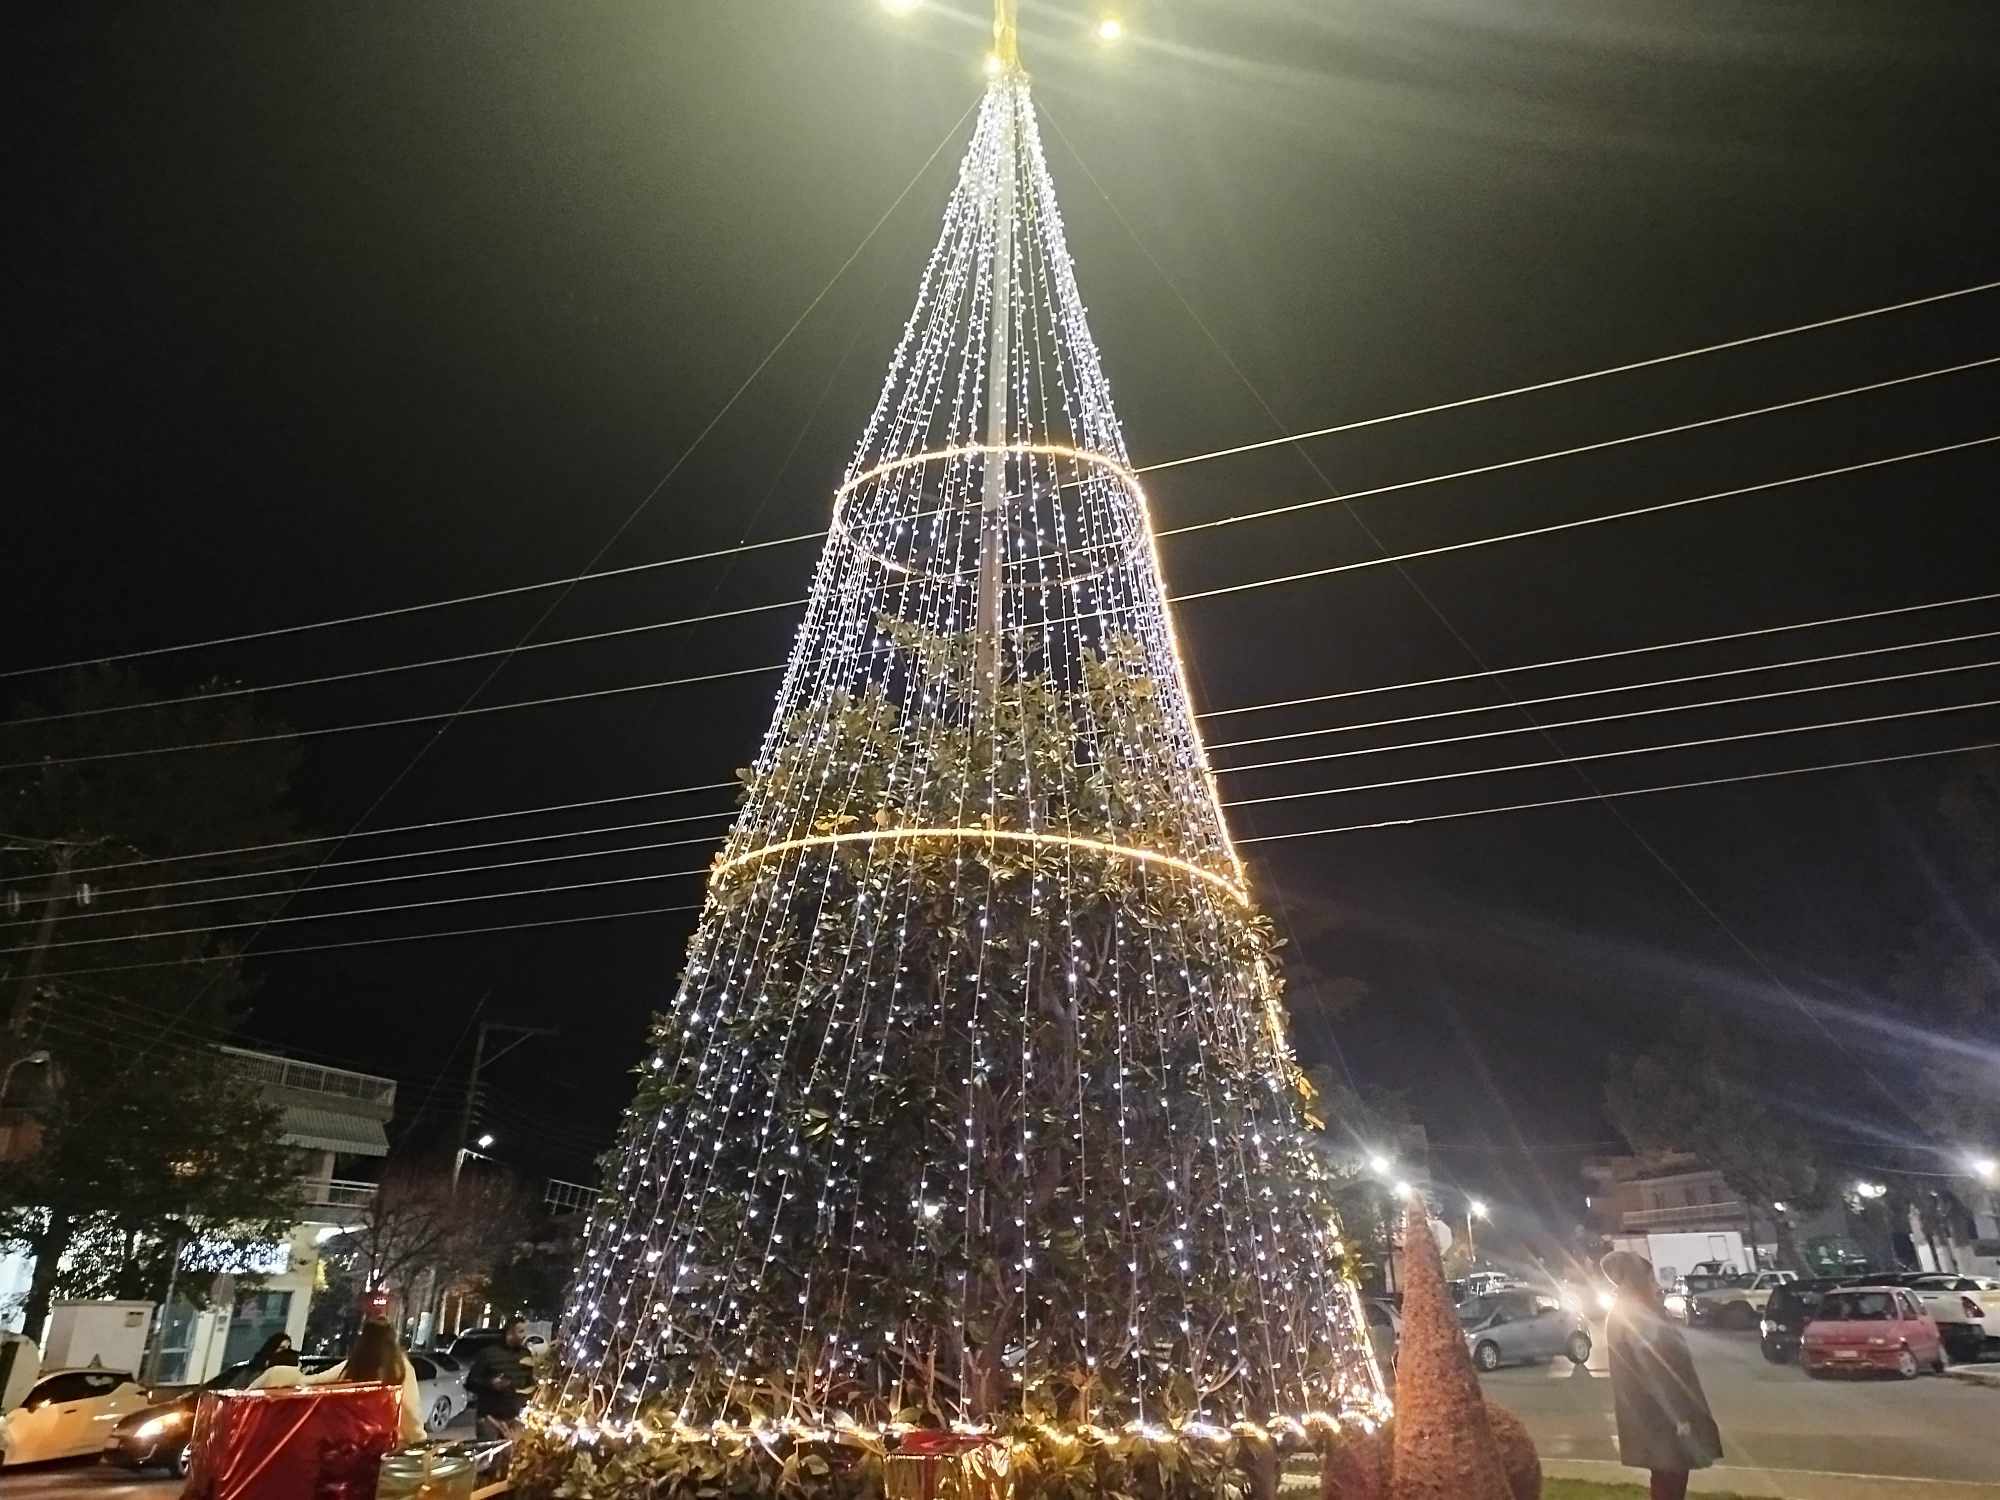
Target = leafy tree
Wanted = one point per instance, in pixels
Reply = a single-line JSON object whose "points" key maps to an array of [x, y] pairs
{"points": [[420, 1233], [151, 1151], [1948, 973], [1708, 1094]]}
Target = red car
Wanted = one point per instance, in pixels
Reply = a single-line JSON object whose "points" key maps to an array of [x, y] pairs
{"points": [[1871, 1328]]}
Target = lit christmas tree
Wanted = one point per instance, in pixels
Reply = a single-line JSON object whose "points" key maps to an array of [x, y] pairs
{"points": [[974, 1103]]}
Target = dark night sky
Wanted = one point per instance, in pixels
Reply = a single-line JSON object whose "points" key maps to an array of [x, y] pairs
{"points": [[326, 309]]}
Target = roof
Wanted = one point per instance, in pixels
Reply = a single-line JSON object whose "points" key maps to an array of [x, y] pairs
{"points": [[334, 1130]]}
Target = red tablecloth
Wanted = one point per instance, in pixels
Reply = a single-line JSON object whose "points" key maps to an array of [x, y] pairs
{"points": [[299, 1443]]}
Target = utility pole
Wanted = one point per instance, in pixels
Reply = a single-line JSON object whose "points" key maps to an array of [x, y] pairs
{"points": [[31, 967]]}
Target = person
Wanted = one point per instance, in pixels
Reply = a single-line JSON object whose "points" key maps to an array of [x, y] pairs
{"points": [[500, 1379], [268, 1354], [373, 1356], [1664, 1424]]}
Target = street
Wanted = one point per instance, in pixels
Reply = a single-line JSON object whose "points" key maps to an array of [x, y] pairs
{"points": [[1775, 1419]]}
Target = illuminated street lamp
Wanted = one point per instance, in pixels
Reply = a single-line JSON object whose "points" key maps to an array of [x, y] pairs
{"points": [[1869, 1190], [1474, 1209], [1985, 1169], [485, 1143], [1379, 1164], [1110, 29]]}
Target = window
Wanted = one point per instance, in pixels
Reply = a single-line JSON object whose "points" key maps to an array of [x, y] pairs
{"points": [[75, 1385], [1858, 1307], [424, 1369]]}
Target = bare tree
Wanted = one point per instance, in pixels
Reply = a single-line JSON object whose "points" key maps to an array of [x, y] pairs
{"points": [[417, 1222]]}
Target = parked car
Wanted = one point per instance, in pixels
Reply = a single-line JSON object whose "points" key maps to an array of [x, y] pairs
{"points": [[441, 1382], [1517, 1327], [67, 1413], [1385, 1331], [1870, 1328], [157, 1435], [1785, 1316], [1966, 1309], [1739, 1302]]}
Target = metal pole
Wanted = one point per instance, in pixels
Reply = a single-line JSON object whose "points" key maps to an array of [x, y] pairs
{"points": [[993, 492]]}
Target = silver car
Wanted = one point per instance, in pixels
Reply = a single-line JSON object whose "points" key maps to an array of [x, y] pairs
{"points": [[1518, 1327]]}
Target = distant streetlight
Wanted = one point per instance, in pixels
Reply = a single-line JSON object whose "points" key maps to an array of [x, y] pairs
{"points": [[1870, 1190], [485, 1143], [1984, 1168], [36, 1059], [1474, 1209], [1379, 1164], [1110, 29]]}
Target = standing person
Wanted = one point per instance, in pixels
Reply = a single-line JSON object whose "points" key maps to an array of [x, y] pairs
{"points": [[373, 1356], [1664, 1424], [500, 1379]]}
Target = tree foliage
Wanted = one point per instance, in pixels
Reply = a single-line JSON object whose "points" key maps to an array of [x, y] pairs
{"points": [[148, 1140], [1125, 1038], [1707, 1093]]}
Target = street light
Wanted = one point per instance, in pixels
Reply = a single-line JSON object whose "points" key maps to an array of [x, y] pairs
{"points": [[36, 1059], [1870, 1190], [1379, 1164], [1474, 1209], [485, 1142], [1984, 1168], [1110, 29]]}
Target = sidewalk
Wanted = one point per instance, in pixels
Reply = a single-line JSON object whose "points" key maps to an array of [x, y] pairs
{"points": [[1988, 1374], [1791, 1484]]}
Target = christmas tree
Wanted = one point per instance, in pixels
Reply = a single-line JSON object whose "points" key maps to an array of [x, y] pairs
{"points": [[974, 1101]]}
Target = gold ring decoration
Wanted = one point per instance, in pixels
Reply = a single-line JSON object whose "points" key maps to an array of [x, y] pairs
{"points": [[1223, 883], [1118, 471]]}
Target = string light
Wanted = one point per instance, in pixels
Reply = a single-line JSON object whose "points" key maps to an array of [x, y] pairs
{"points": [[975, 1088]]}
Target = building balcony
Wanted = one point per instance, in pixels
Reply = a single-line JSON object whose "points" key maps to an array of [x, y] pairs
{"points": [[335, 1201], [1686, 1216]]}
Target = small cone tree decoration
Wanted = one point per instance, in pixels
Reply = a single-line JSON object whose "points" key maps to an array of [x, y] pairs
{"points": [[1444, 1447]]}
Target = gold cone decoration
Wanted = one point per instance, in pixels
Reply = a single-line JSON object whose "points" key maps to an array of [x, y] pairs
{"points": [[1444, 1449]]}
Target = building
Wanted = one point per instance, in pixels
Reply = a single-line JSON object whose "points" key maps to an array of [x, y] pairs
{"points": [[337, 1119], [1669, 1208]]}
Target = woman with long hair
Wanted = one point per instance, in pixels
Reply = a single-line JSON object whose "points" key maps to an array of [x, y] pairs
{"points": [[1664, 1424], [373, 1356]]}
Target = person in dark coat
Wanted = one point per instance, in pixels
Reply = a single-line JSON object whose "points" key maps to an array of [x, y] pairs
{"points": [[500, 1379], [1664, 1424]]}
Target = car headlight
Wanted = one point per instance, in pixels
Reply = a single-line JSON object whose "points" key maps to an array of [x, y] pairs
{"points": [[1676, 1303], [1606, 1300], [1766, 1327]]}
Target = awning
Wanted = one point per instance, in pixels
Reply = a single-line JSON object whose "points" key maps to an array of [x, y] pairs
{"points": [[330, 1130]]}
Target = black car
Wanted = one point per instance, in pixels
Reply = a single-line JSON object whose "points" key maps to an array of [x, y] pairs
{"points": [[158, 1435], [1791, 1307]]}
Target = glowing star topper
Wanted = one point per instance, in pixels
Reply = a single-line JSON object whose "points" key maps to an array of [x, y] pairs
{"points": [[976, 1076]]}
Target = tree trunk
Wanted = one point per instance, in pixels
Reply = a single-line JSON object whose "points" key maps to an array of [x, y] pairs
{"points": [[49, 1246]]}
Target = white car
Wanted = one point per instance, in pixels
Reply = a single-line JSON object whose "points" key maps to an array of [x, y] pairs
{"points": [[1966, 1309], [441, 1381], [68, 1413], [1739, 1305]]}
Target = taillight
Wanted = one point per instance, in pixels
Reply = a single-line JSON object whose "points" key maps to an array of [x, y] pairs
{"points": [[1970, 1308]]}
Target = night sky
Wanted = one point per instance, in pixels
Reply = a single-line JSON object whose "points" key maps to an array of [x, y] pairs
{"points": [[329, 309]]}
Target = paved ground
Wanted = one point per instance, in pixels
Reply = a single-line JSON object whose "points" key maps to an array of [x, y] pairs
{"points": [[1926, 1439], [1783, 1433]]}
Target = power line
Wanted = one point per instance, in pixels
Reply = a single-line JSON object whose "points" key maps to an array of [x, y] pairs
{"points": [[361, 911], [327, 679], [652, 911], [1691, 642], [1808, 690], [375, 942], [1638, 791], [1555, 453], [1560, 526], [1577, 661], [1637, 713], [743, 547], [1394, 559], [1547, 385], [376, 859], [1566, 760], [711, 617], [1600, 692]]}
